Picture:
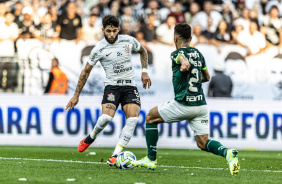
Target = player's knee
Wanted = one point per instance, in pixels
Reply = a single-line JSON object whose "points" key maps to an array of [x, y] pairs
{"points": [[106, 117], [131, 123]]}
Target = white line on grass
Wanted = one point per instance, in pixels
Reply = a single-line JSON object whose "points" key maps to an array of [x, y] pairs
{"points": [[166, 166]]}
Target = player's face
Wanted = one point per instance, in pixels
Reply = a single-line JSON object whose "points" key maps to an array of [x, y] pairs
{"points": [[111, 33], [275, 77]]}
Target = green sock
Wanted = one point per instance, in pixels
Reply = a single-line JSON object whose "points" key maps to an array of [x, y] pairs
{"points": [[216, 148], [152, 136]]}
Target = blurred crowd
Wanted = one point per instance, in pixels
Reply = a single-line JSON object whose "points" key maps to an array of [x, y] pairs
{"points": [[253, 24]]}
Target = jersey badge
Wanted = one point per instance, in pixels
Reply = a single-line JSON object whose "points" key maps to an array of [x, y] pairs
{"points": [[111, 97], [126, 48], [75, 21]]}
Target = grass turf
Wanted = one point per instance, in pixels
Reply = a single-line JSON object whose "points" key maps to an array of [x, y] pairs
{"points": [[256, 167]]}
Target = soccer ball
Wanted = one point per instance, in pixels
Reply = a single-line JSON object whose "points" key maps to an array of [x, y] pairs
{"points": [[124, 160]]}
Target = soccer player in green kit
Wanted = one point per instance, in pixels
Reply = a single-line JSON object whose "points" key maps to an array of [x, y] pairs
{"points": [[189, 72]]}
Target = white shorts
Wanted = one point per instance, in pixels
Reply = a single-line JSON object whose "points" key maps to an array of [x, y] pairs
{"points": [[196, 116]]}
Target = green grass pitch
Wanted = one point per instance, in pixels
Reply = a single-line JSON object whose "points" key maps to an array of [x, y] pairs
{"points": [[57, 164]]}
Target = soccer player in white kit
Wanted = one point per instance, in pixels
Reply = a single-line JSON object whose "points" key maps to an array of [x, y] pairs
{"points": [[114, 54]]}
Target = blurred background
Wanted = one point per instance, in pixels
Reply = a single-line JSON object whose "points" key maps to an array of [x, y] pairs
{"points": [[241, 41]]}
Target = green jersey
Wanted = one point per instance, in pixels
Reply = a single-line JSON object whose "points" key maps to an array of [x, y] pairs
{"points": [[187, 85]]}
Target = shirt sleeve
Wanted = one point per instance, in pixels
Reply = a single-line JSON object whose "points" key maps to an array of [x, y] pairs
{"points": [[204, 66], [136, 45], [177, 54], [80, 22], [94, 56]]}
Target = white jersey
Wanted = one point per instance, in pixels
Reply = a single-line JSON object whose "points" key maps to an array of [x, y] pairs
{"points": [[116, 60]]}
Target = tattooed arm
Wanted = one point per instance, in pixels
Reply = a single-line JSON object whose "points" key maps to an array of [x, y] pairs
{"points": [[143, 57], [81, 82], [144, 62], [185, 65], [83, 78]]}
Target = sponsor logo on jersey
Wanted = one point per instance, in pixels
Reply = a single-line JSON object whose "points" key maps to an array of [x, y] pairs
{"points": [[119, 54], [108, 54], [111, 97], [195, 63], [126, 48], [204, 121], [118, 66], [123, 41], [103, 48], [123, 81], [194, 98], [195, 54], [122, 70]]}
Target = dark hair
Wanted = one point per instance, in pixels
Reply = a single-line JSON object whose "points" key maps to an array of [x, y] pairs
{"points": [[183, 30], [234, 56], [8, 12], [255, 20], [273, 6], [94, 15], [170, 16], [110, 20], [56, 59]]}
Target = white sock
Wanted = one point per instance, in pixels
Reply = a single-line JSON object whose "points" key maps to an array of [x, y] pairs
{"points": [[102, 122], [118, 149], [125, 134]]}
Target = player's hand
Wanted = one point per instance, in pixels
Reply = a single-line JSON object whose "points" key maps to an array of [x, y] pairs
{"points": [[73, 101], [146, 80], [185, 66]]}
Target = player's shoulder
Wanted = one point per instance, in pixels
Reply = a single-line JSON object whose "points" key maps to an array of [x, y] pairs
{"points": [[181, 50], [194, 50], [174, 53], [100, 44], [125, 38], [129, 39]]}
